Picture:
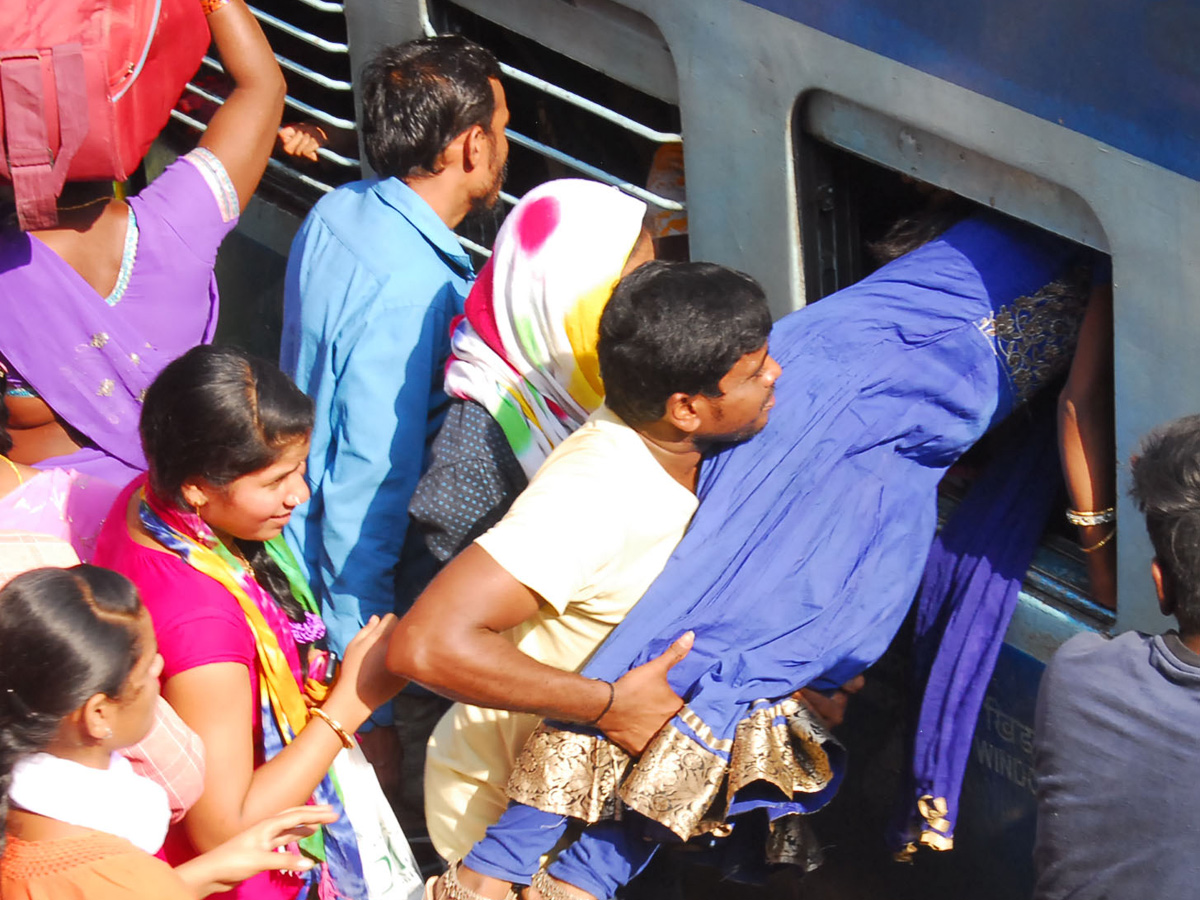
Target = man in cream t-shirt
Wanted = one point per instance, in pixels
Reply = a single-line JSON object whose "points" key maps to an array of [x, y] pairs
{"points": [[509, 622]]}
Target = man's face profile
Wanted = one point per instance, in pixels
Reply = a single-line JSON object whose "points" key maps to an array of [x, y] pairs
{"points": [[747, 396]]}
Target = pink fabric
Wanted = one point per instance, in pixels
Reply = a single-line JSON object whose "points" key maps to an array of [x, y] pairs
{"points": [[60, 503], [171, 755], [21, 551], [197, 622]]}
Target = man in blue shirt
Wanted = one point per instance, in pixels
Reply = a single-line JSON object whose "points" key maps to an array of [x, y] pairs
{"points": [[374, 278], [1117, 720]]}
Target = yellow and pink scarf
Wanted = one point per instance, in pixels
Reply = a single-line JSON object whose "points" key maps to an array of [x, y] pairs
{"points": [[526, 348]]}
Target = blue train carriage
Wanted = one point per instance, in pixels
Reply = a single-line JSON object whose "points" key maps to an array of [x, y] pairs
{"points": [[802, 122]]}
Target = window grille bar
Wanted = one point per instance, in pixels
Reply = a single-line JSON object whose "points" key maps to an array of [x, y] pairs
{"points": [[347, 161], [316, 77], [300, 176], [298, 33], [472, 246], [549, 87], [592, 171], [333, 84], [271, 163], [318, 114], [610, 115], [325, 6]]}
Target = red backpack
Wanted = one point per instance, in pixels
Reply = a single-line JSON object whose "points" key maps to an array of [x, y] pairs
{"points": [[85, 87]]}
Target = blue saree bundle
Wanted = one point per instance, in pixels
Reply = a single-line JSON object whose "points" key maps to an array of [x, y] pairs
{"points": [[804, 555]]}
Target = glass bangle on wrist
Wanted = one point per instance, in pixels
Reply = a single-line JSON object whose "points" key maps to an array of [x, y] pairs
{"points": [[1099, 517]]}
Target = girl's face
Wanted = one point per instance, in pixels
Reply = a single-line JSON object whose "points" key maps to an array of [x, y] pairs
{"points": [[256, 506], [132, 713]]}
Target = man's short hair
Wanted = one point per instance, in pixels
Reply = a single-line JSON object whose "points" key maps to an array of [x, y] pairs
{"points": [[676, 327], [419, 96], [1166, 488]]}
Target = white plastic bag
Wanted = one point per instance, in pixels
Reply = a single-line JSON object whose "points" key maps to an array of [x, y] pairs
{"points": [[388, 864]]}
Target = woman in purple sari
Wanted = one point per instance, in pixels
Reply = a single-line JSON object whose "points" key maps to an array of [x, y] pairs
{"points": [[95, 307]]}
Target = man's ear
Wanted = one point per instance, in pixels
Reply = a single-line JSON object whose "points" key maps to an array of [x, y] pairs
{"points": [[681, 412], [454, 155], [1166, 605], [473, 144]]}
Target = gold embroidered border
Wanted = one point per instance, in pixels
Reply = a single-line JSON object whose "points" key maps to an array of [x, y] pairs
{"points": [[676, 782], [788, 754], [569, 774], [935, 830], [1035, 336]]}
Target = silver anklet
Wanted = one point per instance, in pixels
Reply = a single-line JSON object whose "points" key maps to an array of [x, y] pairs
{"points": [[549, 888], [455, 890]]}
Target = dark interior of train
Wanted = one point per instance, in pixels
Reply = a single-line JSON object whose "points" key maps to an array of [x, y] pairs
{"points": [[848, 204]]}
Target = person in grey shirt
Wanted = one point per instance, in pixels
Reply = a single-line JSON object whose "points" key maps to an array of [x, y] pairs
{"points": [[1118, 721]]}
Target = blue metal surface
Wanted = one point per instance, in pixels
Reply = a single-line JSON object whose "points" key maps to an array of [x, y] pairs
{"points": [[1124, 72], [997, 814]]}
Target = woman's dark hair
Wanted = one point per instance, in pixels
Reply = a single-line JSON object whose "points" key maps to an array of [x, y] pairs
{"points": [[419, 96], [910, 232], [67, 635], [218, 413], [676, 327], [1166, 488]]}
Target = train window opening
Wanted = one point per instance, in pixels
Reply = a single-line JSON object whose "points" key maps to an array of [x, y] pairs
{"points": [[569, 120], [310, 44], [847, 206]]}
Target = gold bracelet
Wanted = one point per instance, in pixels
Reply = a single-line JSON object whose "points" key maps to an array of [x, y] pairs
{"points": [[343, 735], [211, 6], [1100, 543], [1099, 517]]}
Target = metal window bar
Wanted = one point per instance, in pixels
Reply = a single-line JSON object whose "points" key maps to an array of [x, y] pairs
{"points": [[325, 6], [592, 171], [298, 33], [610, 115], [473, 247], [324, 117], [271, 163], [213, 98], [549, 87], [333, 84]]}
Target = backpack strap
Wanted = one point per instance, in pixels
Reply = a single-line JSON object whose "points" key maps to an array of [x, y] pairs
{"points": [[38, 172]]}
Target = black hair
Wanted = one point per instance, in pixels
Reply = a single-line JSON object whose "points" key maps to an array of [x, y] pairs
{"points": [[676, 327], [67, 635], [419, 96], [910, 232], [1166, 488], [218, 413]]}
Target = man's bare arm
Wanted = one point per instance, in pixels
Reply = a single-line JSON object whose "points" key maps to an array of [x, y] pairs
{"points": [[452, 641]]}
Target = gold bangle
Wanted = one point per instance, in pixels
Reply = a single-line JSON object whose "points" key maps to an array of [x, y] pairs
{"points": [[211, 6], [343, 735], [1099, 517], [1100, 543]]}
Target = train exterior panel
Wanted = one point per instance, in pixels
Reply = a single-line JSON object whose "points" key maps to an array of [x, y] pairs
{"points": [[1078, 118]]}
